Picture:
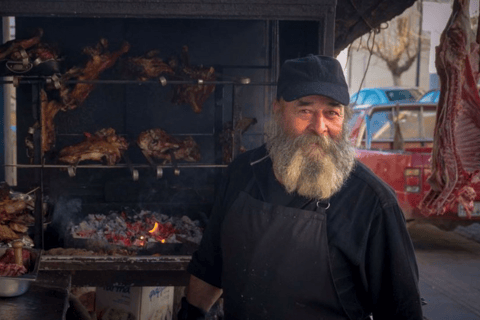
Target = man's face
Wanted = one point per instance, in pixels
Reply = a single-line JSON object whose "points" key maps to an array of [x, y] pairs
{"points": [[309, 147], [318, 115]]}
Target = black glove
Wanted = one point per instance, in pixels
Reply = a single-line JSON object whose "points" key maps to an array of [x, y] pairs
{"points": [[190, 312]]}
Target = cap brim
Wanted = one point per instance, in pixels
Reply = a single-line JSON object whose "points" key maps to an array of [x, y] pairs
{"points": [[335, 91]]}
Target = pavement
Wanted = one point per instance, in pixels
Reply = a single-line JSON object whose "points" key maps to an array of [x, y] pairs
{"points": [[449, 266]]}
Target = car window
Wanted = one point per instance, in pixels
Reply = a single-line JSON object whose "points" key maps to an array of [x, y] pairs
{"points": [[397, 95], [381, 125], [360, 99], [371, 98], [409, 122], [429, 117], [431, 96], [353, 120]]}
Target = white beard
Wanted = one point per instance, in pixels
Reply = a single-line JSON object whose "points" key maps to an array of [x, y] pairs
{"points": [[314, 166]]}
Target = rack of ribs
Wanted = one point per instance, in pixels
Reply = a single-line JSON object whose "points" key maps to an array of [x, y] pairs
{"points": [[194, 95], [456, 149], [160, 145], [104, 144], [100, 60]]}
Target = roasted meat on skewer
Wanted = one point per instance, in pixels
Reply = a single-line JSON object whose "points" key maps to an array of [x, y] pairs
{"points": [[158, 144], [104, 144], [15, 46], [193, 94], [227, 135], [100, 60], [146, 67], [49, 111]]}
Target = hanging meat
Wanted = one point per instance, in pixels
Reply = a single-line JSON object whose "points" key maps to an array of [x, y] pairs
{"points": [[104, 144], [49, 111], [194, 95], [160, 145], [456, 149], [15, 47], [146, 67], [227, 137], [100, 60]]}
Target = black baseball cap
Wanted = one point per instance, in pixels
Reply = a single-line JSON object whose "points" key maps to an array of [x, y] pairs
{"points": [[312, 75]]}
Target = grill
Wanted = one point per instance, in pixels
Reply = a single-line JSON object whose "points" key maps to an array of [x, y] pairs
{"points": [[245, 43]]}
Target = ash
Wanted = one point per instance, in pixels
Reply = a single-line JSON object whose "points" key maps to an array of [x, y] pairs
{"points": [[138, 229]]}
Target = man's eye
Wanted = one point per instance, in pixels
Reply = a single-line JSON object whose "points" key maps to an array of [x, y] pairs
{"points": [[304, 111]]}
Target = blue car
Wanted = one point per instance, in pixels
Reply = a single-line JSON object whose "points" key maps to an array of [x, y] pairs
{"points": [[385, 95], [431, 96]]}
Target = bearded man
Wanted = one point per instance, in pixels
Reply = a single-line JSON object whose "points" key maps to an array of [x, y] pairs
{"points": [[300, 229]]}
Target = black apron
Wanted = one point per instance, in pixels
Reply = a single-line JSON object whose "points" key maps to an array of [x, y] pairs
{"points": [[276, 263]]}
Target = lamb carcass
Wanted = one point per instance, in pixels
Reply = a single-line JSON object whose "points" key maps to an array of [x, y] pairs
{"points": [[456, 150], [158, 144], [15, 46], [193, 94], [49, 111], [104, 144], [100, 60], [146, 67]]}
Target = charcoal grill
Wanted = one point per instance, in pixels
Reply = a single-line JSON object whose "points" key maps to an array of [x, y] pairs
{"points": [[244, 41]]}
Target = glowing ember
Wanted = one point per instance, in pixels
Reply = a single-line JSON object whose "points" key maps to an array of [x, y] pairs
{"points": [[134, 230], [155, 228]]}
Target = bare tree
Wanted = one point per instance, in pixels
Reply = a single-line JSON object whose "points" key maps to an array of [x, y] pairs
{"points": [[397, 45]]}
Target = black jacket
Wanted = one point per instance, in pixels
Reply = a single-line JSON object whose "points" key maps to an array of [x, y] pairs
{"points": [[371, 255]]}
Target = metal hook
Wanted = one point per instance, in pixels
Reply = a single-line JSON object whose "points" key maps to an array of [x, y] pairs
{"points": [[318, 205], [72, 171]]}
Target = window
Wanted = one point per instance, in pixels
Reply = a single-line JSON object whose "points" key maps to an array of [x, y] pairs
{"points": [[429, 117], [409, 122], [381, 125], [371, 98], [397, 95]]}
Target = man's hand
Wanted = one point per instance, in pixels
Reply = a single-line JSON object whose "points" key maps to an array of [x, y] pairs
{"points": [[190, 312], [200, 298]]}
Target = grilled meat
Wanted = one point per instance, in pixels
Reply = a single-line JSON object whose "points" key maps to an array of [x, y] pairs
{"points": [[158, 144], [104, 144], [49, 111], [192, 94], [227, 135], [100, 60], [146, 67], [7, 234], [11, 208], [14, 47], [11, 270]]}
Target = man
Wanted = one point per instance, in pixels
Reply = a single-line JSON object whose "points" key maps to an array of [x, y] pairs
{"points": [[300, 230]]}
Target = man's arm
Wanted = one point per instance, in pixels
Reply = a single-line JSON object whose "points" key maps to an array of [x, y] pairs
{"points": [[392, 269], [201, 294]]}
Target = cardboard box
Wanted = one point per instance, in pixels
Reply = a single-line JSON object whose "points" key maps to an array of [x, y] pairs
{"points": [[134, 303]]}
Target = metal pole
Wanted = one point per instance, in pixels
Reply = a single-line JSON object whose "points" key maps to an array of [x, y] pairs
{"points": [[9, 114], [419, 55]]}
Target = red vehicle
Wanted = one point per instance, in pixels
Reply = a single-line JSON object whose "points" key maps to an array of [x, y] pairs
{"points": [[395, 142]]}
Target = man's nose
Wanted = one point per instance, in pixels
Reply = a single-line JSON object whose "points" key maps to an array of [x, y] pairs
{"points": [[318, 124]]}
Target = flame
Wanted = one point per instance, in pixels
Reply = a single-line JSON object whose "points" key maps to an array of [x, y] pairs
{"points": [[157, 236], [155, 228]]}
